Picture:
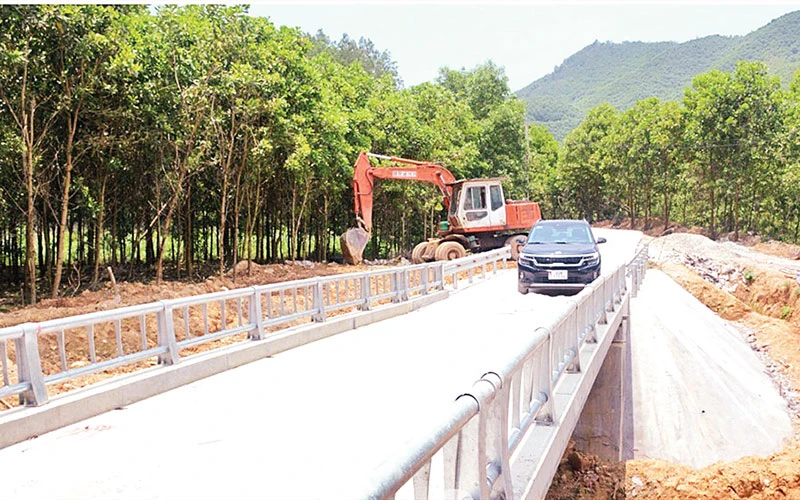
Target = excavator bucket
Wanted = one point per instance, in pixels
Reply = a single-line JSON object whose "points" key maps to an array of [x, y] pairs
{"points": [[353, 242]]}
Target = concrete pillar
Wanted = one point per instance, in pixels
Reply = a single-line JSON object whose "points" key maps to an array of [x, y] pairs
{"points": [[600, 429]]}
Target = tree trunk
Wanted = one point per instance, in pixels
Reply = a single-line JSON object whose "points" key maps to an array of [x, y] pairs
{"points": [[98, 235], [295, 245], [62, 224], [30, 223], [223, 207], [188, 240], [736, 212]]}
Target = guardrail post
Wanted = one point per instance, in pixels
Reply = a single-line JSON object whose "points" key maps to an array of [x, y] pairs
{"points": [[29, 366], [404, 284], [494, 431], [366, 294], [543, 384], [422, 481], [462, 458], [574, 329], [398, 287], [589, 320], [423, 279], [319, 303], [166, 335], [255, 315]]}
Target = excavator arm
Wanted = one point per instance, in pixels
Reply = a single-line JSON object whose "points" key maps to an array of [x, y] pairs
{"points": [[354, 240], [364, 175]]}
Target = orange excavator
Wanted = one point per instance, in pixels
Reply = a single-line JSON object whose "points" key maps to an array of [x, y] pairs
{"points": [[479, 218]]}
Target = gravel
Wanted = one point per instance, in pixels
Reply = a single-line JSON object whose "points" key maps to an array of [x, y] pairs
{"points": [[701, 251]]}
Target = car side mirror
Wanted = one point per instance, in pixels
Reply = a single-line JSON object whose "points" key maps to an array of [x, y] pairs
{"points": [[601, 240]]}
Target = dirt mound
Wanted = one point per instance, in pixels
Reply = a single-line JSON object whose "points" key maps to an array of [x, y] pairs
{"points": [[674, 247], [583, 477], [775, 476], [722, 303]]}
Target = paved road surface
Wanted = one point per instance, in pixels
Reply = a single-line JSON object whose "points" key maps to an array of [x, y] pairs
{"points": [[700, 393]]}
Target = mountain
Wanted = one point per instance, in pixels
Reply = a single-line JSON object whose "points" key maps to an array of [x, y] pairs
{"points": [[623, 73]]}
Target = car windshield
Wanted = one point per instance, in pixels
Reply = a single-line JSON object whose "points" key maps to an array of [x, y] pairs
{"points": [[560, 233]]}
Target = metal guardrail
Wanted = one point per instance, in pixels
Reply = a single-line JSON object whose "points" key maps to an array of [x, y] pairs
{"points": [[162, 333], [483, 428]]}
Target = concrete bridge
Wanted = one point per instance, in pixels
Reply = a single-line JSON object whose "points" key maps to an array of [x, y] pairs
{"points": [[473, 396]]}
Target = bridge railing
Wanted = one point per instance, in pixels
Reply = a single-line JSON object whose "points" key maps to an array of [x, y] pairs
{"points": [[466, 267], [483, 428], [35, 356]]}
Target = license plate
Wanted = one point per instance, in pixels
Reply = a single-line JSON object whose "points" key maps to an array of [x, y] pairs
{"points": [[557, 275]]}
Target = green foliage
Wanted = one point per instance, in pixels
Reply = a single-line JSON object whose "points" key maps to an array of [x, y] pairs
{"points": [[484, 88], [748, 276], [362, 52], [199, 134], [544, 184], [587, 164]]}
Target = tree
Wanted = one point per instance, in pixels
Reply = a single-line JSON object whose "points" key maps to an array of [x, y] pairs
{"points": [[178, 49], [586, 160], [645, 144], [734, 119], [544, 182], [363, 52], [483, 88], [27, 96], [707, 108], [81, 52]]}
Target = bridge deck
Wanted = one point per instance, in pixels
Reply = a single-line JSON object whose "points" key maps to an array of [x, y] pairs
{"points": [[301, 424]]}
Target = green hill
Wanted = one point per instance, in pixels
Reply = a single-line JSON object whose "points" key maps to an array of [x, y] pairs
{"points": [[623, 73]]}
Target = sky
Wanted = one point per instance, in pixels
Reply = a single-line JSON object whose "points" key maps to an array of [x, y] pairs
{"points": [[527, 38]]}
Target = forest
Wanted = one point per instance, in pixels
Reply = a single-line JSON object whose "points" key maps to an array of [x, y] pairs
{"points": [[172, 143]]}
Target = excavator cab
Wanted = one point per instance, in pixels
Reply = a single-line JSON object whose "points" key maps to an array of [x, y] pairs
{"points": [[477, 203]]}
